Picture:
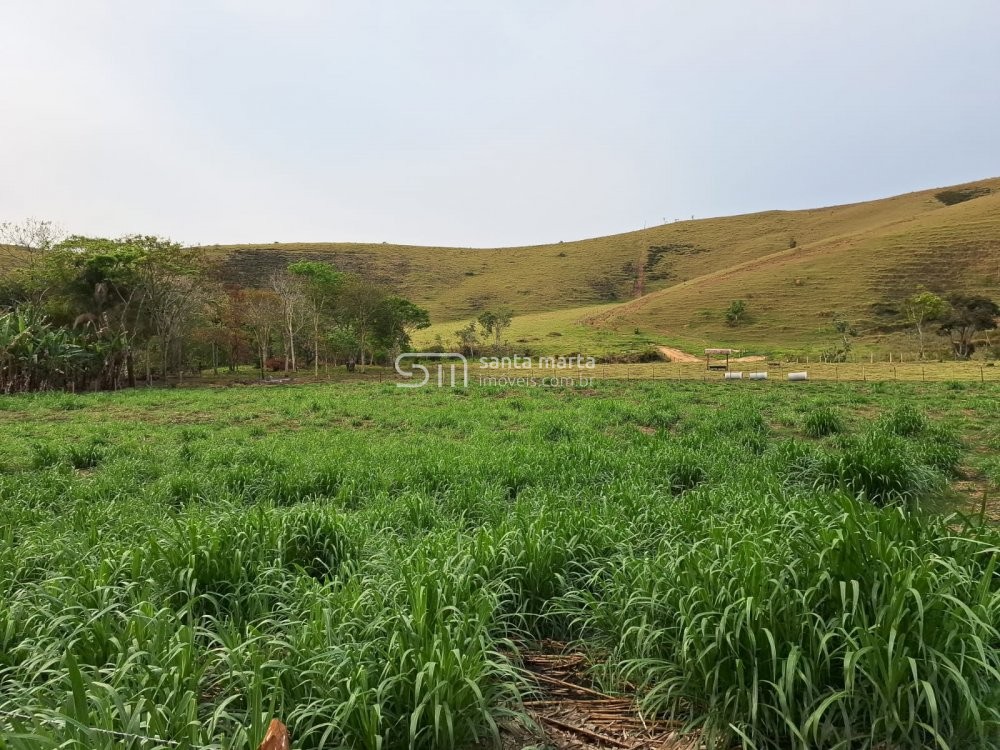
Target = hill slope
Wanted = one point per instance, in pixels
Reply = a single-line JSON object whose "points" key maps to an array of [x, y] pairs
{"points": [[863, 275], [673, 282]]}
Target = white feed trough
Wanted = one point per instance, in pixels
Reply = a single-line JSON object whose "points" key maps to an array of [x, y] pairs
{"points": [[734, 376], [798, 376], [758, 376]]}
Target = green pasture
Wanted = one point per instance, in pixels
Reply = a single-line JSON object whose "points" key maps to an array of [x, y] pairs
{"points": [[775, 566]]}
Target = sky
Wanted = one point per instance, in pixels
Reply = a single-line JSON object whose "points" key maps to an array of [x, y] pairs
{"points": [[484, 122]]}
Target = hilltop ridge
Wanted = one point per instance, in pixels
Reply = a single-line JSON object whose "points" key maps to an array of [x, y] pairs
{"points": [[673, 282]]}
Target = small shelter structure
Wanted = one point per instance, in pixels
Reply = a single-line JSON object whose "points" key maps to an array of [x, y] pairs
{"points": [[714, 358]]}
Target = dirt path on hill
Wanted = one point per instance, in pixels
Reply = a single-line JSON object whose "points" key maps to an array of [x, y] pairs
{"points": [[676, 355]]}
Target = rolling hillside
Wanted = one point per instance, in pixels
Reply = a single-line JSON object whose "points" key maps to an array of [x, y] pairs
{"points": [[861, 274], [697, 256], [671, 284]]}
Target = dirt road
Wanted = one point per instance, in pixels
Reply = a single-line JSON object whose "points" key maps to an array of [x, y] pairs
{"points": [[676, 355]]}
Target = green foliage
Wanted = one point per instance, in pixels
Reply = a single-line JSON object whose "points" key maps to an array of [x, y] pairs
{"points": [[847, 332], [960, 195], [396, 319], [364, 563], [686, 471], [823, 421], [316, 541], [37, 356], [905, 421], [883, 469], [968, 315], [736, 312], [923, 307], [496, 322]]}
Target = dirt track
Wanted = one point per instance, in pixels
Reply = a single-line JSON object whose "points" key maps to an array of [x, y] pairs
{"points": [[676, 355]]}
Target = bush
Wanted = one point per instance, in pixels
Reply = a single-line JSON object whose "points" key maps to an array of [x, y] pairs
{"points": [[822, 422], [960, 195], [883, 469], [686, 471], [905, 421]]}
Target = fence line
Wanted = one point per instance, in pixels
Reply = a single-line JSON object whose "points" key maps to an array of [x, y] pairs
{"points": [[928, 372]]}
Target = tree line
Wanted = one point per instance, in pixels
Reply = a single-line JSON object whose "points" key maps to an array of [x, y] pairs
{"points": [[81, 313], [960, 318]]}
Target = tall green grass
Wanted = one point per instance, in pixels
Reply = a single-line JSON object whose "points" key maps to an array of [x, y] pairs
{"points": [[366, 563]]}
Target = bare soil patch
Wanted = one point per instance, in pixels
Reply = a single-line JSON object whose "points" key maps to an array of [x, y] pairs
{"points": [[570, 713]]}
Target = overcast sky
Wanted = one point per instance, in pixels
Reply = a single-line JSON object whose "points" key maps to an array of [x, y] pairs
{"points": [[481, 122]]}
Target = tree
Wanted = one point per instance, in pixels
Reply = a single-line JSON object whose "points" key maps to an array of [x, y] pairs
{"points": [[495, 322], [321, 285], [37, 356], [113, 283], [736, 312], [396, 320], [177, 302], [967, 316], [847, 332], [170, 291], [361, 302], [263, 313], [25, 242], [342, 343], [921, 308], [290, 291], [468, 339], [233, 318]]}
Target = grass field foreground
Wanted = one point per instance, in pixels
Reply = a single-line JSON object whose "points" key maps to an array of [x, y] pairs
{"points": [[776, 567]]}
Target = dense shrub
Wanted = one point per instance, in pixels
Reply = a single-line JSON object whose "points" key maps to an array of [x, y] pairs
{"points": [[960, 195], [822, 422], [905, 421], [882, 468]]}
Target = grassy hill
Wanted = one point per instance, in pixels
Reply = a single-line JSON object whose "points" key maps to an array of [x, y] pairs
{"points": [[856, 260], [672, 283], [862, 274]]}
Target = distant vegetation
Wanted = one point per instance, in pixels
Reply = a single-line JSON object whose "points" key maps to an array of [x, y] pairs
{"points": [[675, 283], [736, 313], [960, 195], [86, 313]]}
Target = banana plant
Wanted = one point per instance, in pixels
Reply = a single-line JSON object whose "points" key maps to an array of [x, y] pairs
{"points": [[37, 356]]}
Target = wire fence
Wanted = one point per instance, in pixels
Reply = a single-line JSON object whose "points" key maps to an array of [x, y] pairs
{"points": [[928, 372]]}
